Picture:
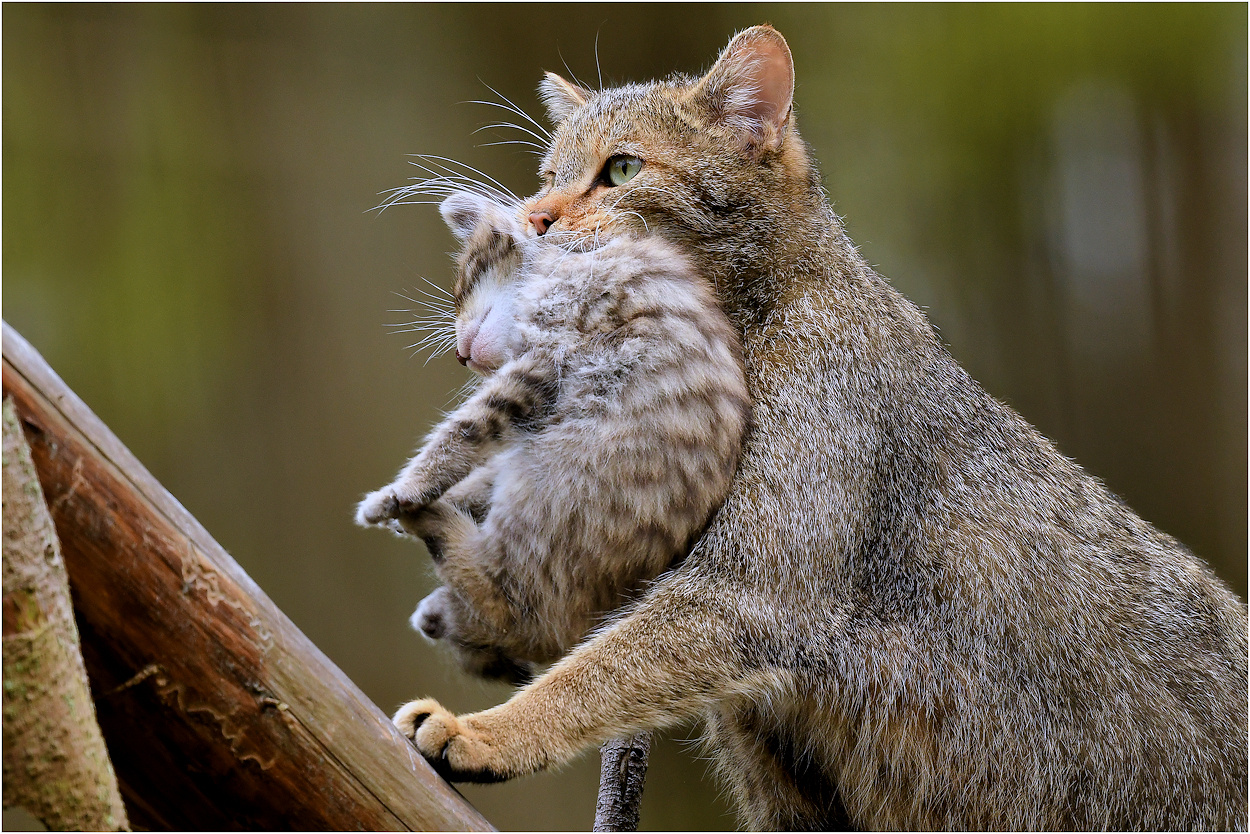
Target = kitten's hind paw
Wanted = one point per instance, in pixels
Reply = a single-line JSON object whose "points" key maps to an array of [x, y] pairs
{"points": [[453, 746]]}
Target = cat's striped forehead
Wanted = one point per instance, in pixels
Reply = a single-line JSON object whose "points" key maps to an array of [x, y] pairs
{"points": [[618, 120]]}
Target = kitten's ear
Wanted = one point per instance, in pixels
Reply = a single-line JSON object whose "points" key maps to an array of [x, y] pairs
{"points": [[561, 97], [750, 89], [462, 212]]}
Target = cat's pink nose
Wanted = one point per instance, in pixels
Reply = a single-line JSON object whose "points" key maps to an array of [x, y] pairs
{"points": [[542, 221], [463, 360]]}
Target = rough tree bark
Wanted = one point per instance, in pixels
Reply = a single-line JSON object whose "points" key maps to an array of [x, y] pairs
{"points": [[55, 763], [623, 771], [218, 712]]}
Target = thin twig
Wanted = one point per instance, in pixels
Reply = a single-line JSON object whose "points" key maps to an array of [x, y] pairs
{"points": [[621, 778]]}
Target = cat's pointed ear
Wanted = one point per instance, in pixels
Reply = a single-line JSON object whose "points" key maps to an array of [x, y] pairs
{"points": [[462, 212], [750, 89], [561, 97]]}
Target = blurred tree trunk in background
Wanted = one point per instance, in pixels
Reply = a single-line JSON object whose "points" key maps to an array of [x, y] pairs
{"points": [[55, 763]]}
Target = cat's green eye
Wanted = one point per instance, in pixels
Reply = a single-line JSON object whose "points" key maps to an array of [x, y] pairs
{"points": [[622, 169]]}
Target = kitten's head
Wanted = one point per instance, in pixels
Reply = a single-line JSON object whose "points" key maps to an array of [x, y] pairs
{"points": [[486, 279], [712, 163]]}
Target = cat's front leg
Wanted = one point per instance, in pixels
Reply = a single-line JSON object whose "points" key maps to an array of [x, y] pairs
{"points": [[666, 661]]}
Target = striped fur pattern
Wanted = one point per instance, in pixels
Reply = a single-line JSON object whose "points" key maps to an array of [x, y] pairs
{"points": [[911, 611], [602, 438]]}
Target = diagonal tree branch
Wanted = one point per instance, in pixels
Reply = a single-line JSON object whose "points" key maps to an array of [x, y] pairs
{"points": [[217, 711]]}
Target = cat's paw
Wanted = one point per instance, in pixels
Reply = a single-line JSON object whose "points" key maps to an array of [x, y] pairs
{"points": [[454, 746], [378, 508], [413, 714], [390, 504]]}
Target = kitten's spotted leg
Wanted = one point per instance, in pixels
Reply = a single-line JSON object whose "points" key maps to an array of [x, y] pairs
{"points": [[664, 662], [473, 493], [512, 400], [463, 558]]}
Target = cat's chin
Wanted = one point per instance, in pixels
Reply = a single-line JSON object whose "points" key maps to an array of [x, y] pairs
{"points": [[580, 242], [581, 246]]}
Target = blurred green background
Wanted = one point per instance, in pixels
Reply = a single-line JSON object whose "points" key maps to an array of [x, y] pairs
{"points": [[186, 239]]}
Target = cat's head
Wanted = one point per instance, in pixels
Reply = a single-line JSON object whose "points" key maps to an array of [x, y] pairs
{"points": [[486, 278], [712, 163]]}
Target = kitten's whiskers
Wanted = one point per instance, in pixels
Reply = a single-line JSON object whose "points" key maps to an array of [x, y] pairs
{"points": [[435, 318]]}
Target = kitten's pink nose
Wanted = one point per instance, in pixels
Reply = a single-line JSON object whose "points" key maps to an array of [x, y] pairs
{"points": [[542, 221], [463, 360]]}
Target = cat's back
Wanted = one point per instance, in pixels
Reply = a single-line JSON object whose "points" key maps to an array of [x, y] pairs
{"points": [[925, 508]]}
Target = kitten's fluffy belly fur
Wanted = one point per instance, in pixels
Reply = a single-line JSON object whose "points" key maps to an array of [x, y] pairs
{"points": [[603, 438], [911, 611]]}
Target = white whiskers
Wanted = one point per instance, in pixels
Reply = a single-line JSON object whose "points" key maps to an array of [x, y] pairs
{"points": [[435, 319], [511, 107], [445, 180]]}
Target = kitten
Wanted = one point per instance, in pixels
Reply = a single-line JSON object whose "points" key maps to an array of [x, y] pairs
{"points": [[911, 611], [603, 437]]}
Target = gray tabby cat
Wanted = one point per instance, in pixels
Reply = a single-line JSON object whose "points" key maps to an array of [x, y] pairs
{"points": [[603, 437], [911, 610]]}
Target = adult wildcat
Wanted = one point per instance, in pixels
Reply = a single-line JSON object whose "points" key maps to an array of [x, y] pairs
{"points": [[603, 437], [911, 611]]}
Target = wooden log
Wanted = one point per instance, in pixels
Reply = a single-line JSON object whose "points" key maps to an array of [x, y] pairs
{"points": [[218, 712]]}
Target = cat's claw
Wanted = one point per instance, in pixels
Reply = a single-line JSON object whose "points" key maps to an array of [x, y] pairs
{"points": [[453, 746]]}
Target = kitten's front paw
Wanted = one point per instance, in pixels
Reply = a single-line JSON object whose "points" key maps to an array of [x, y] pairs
{"points": [[457, 749], [377, 507], [392, 503]]}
